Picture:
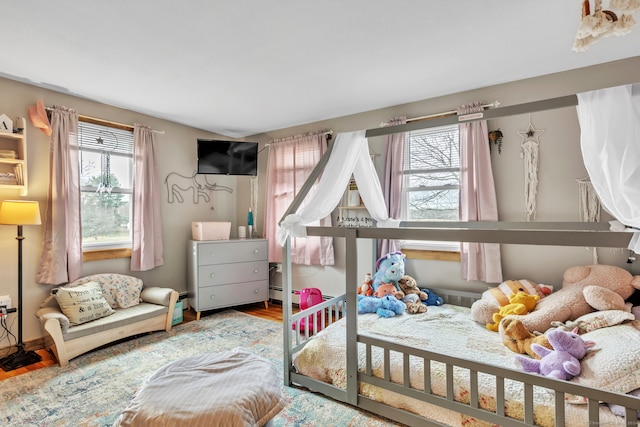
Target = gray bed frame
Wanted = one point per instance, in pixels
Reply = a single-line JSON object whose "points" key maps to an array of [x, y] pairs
{"points": [[560, 234]]}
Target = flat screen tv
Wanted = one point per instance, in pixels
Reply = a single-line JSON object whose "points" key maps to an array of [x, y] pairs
{"points": [[227, 157]]}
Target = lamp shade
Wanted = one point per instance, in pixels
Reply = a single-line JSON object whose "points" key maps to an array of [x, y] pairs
{"points": [[20, 212]]}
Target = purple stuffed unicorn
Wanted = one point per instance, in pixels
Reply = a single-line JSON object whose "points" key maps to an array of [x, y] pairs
{"points": [[563, 362]]}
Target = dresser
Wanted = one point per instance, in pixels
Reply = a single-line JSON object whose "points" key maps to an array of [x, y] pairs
{"points": [[225, 273]]}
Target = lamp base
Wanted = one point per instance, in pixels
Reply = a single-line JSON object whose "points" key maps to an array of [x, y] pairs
{"points": [[19, 359]]}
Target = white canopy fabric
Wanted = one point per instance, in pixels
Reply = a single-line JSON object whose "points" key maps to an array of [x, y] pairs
{"points": [[610, 128], [350, 155]]}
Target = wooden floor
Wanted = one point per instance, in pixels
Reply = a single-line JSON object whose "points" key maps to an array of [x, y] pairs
{"points": [[273, 312]]}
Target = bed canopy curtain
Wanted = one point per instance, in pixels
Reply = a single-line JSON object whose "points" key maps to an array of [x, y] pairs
{"points": [[479, 261], [610, 125], [393, 177], [350, 155], [290, 163], [147, 249], [61, 259]]}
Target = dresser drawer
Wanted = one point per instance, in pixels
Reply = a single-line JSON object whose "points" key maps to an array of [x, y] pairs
{"points": [[234, 251], [219, 274], [232, 294]]}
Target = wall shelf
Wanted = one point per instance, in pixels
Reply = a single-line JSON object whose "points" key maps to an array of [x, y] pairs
{"points": [[17, 143]]}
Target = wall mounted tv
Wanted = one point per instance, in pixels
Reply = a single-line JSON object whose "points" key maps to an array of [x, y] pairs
{"points": [[227, 157]]}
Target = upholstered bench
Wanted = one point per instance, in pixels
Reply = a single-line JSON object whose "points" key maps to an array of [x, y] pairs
{"points": [[99, 309], [228, 389]]}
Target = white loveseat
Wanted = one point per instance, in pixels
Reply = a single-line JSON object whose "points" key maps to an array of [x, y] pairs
{"points": [[132, 309]]}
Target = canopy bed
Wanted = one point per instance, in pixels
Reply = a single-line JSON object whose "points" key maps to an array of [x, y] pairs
{"points": [[437, 368]]}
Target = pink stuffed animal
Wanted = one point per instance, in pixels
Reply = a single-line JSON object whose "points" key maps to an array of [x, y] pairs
{"points": [[584, 289], [563, 362]]}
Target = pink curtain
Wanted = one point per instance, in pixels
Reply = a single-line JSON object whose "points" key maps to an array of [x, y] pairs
{"points": [[479, 261], [147, 249], [61, 259], [291, 161], [392, 182]]}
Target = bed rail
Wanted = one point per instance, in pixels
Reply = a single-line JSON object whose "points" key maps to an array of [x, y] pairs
{"points": [[306, 323], [472, 407]]}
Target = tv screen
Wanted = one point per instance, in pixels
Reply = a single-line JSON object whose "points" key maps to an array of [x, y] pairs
{"points": [[227, 157]]}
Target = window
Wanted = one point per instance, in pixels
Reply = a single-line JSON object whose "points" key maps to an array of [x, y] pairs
{"points": [[106, 185], [431, 186]]}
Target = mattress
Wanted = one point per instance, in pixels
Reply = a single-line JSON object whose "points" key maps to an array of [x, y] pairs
{"points": [[447, 330]]}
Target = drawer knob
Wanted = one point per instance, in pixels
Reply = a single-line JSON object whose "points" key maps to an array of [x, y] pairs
{"points": [[255, 251], [212, 297], [255, 291], [256, 271], [212, 275]]}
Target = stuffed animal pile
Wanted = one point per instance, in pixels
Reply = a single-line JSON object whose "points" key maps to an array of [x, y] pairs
{"points": [[585, 289]]}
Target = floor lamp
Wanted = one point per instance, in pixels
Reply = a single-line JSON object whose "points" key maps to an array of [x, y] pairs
{"points": [[19, 212]]}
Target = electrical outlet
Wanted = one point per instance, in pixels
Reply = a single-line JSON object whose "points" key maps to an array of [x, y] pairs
{"points": [[5, 300]]}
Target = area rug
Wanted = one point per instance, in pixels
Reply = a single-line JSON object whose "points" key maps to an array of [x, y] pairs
{"points": [[94, 388]]}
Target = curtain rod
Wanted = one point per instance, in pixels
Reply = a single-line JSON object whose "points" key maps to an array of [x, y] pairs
{"points": [[104, 122], [494, 104], [495, 113]]}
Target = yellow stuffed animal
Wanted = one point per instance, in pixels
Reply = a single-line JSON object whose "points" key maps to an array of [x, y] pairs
{"points": [[519, 303]]}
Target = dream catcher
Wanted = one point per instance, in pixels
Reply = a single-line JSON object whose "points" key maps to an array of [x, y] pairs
{"points": [[530, 154], [108, 143]]}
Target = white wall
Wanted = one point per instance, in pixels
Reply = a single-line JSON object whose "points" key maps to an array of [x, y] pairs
{"points": [[560, 166]]}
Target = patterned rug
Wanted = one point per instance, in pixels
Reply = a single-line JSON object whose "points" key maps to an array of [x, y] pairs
{"points": [[94, 388]]}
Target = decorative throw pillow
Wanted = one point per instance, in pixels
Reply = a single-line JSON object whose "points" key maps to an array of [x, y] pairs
{"points": [[614, 363], [83, 303], [602, 319], [120, 290]]}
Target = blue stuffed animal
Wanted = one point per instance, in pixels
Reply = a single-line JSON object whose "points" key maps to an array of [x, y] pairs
{"points": [[387, 306], [389, 269], [432, 298]]}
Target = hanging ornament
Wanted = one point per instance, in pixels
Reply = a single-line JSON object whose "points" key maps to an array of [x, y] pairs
{"points": [[604, 23], [530, 153], [108, 144]]}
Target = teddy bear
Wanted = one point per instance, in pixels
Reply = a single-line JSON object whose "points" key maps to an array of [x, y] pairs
{"points": [[519, 340], [520, 303], [389, 269], [585, 289], [492, 299], [411, 295], [563, 362], [387, 306]]}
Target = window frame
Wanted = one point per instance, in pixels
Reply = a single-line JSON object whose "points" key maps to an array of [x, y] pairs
{"points": [[438, 247], [120, 248]]}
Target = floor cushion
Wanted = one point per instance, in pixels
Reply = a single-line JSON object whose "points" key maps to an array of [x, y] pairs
{"points": [[230, 388]]}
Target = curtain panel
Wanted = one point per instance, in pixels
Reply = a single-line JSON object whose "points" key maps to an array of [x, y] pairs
{"points": [[290, 163], [350, 155], [61, 259], [393, 179], [147, 248], [609, 128], [479, 261]]}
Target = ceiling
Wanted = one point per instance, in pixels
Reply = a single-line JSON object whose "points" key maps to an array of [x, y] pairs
{"points": [[242, 67]]}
